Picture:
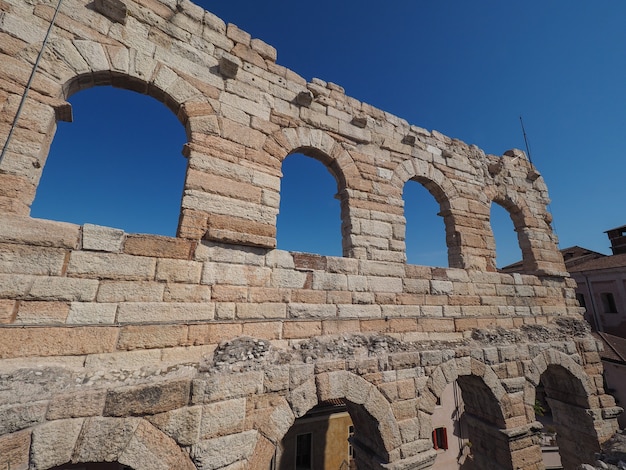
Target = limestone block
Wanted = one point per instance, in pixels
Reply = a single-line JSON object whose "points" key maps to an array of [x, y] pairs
{"points": [[38, 232], [130, 291], [98, 238], [299, 310], [19, 416], [172, 270], [276, 378], [329, 281], [150, 448], [220, 452], [23, 259], [123, 360], [359, 311], [225, 387], [225, 417], [26, 342], [21, 28], [76, 405], [53, 443], [384, 284], [182, 425], [152, 336], [265, 50], [111, 266], [133, 312], [261, 310], [42, 313], [14, 449], [63, 289], [147, 399], [303, 398], [187, 293], [91, 313], [93, 53], [238, 275]]}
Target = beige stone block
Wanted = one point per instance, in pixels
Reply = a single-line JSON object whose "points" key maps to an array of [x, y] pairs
{"points": [[263, 330], [123, 360], [151, 336], [155, 312], [63, 289], [299, 310], [111, 266], [181, 425], [104, 439], [329, 281], [130, 291], [53, 443], [261, 310], [302, 329], [226, 417], [223, 451], [91, 313], [175, 270], [25, 259], [358, 311], [38, 232], [98, 238], [238, 275], [384, 284], [186, 293], [34, 313], [76, 405]]}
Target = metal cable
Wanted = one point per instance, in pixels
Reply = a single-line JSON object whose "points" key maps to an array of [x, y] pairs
{"points": [[29, 84]]}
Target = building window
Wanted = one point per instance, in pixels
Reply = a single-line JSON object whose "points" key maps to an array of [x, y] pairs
{"points": [[350, 448], [440, 438], [303, 452], [581, 300], [608, 302]]}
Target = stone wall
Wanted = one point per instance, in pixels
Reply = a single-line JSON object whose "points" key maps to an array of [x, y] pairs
{"points": [[200, 351]]}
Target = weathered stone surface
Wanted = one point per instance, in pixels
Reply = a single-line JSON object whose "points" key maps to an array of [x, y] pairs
{"points": [[95, 322], [147, 399], [53, 443], [219, 452]]}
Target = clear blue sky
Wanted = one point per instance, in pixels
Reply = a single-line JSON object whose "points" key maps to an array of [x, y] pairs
{"points": [[466, 69]]}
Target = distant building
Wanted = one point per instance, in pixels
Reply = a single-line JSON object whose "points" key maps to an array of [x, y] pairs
{"points": [[601, 282]]}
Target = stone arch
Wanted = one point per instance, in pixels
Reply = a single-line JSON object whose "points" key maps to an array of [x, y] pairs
{"points": [[129, 441], [569, 393], [446, 195], [489, 411], [319, 145], [529, 227], [367, 406], [69, 66]]}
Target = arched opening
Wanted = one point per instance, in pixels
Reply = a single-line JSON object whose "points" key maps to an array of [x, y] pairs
{"points": [[335, 433], [309, 217], [113, 166], [568, 433], [483, 421], [425, 236], [507, 248], [450, 434]]}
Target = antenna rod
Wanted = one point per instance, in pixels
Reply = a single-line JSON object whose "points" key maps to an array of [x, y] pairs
{"points": [[525, 139]]}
